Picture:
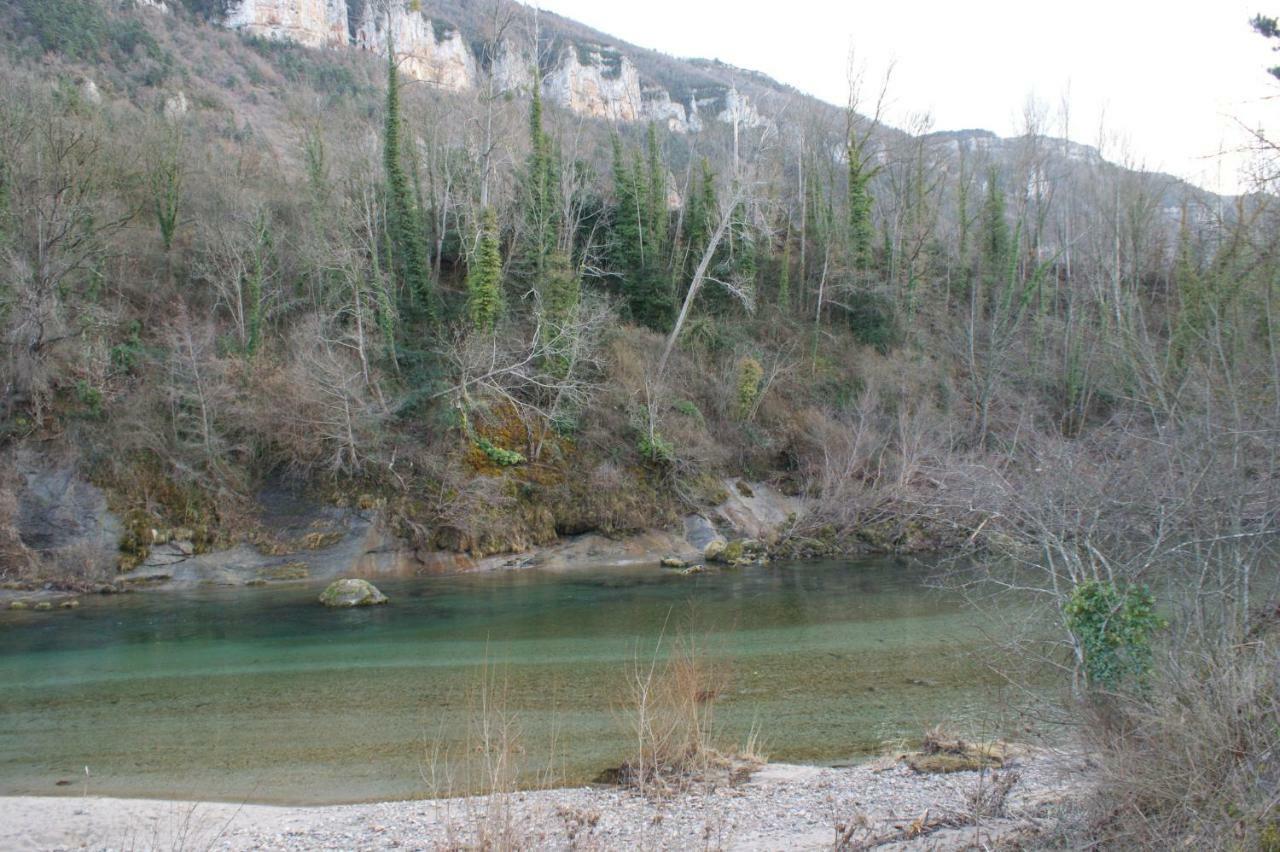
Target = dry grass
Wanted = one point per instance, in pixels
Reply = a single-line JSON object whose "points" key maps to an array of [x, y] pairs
{"points": [[476, 791], [1195, 763], [672, 721]]}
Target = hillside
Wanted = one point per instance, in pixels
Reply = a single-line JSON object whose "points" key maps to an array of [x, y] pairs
{"points": [[222, 243]]}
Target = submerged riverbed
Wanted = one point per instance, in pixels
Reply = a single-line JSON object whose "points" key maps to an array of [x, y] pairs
{"points": [[263, 695]]}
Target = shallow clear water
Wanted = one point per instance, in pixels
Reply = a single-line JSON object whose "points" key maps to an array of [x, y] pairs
{"points": [[263, 695]]}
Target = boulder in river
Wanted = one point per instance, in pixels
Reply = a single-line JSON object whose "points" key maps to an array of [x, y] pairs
{"points": [[351, 592]]}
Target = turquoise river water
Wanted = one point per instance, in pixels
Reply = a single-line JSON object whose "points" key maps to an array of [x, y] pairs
{"points": [[263, 695]]}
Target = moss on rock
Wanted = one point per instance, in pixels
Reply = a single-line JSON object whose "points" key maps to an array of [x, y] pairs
{"points": [[288, 571], [347, 593]]}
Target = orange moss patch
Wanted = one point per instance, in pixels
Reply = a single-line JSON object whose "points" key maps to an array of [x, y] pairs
{"points": [[153, 506], [502, 427]]}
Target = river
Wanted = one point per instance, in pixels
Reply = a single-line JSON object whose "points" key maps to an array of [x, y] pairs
{"points": [[263, 695]]}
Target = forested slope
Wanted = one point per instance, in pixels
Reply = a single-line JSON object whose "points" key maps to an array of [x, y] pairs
{"points": [[229, 260]]}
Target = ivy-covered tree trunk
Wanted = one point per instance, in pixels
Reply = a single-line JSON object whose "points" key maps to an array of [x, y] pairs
{"points": [[484, 276], [408, 244], [541, 232]]}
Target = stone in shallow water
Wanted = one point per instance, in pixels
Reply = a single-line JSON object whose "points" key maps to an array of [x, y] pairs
{"points": [[349, 593]]}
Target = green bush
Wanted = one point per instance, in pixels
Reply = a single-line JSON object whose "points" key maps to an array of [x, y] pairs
{"points": [[1113, 627], [874, 321], [655, 448], [687, 408], [750, 374], [497, 455], [91, 398], [127, 355]]}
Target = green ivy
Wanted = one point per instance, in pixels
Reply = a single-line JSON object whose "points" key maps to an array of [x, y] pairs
{"points": [[750, 375], [497, 455], [91, 398], [1114, 627], [657, 449], [687, 408]]}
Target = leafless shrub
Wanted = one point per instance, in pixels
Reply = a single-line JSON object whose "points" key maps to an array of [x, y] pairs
{"points": [[195, 392], [1196, 763], [61, 197], [16, 559], [547, 375], [320, 412], [671, 718], [489, 773]]}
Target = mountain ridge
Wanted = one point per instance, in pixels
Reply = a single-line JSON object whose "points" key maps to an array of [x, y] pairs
{"points": [[462, 45]]}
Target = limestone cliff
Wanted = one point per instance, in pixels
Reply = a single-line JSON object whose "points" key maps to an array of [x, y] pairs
{"points": [[585, 77], [595, 80], [512, 69], [659, 107], [736, 107], [429, 50], [315, 23]]}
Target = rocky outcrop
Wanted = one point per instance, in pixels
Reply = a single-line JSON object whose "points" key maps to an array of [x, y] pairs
{"points": [[512, 70], [586, 78], [428, 50], [596, 80], [756, 510], [300, 540], [736, 107], [315, 23], [63, 518], [657, 106], [345, 594]]}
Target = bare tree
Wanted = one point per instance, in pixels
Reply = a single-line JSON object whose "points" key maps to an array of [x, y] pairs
{"points": [[63, 209]]}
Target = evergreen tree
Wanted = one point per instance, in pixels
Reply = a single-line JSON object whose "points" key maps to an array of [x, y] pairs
{"points": [[784, 276], [699, 216], [560, 298], [638, 234], [484, 276], [541, 232], [625, 250], [658, 222], [994, 253], [860, 225], [408, 249], [1269, 28]]}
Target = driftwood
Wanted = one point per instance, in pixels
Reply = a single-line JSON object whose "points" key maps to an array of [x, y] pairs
{"points": [[856, 835]]}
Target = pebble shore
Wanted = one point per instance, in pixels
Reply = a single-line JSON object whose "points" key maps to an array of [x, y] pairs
{"points": [[781, 807]]}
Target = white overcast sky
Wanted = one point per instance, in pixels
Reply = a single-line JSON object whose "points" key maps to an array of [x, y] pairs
{"points": [[1169, 80]]}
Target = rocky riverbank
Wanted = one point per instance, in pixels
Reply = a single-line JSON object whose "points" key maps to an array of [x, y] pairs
{"points": [[883, 804], [62, 517]]}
